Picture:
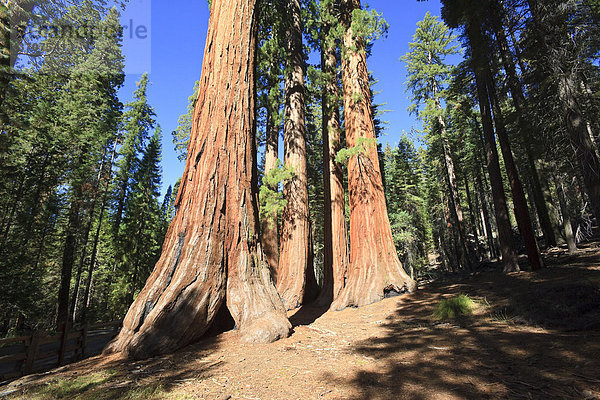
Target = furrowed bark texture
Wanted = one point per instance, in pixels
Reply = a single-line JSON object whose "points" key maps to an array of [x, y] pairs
{"points": [[295, 228], [375, 270], [212, 255], [335, 253]]}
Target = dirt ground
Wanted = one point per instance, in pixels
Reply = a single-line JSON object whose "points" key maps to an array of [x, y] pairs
{"points": [[534, 336]]}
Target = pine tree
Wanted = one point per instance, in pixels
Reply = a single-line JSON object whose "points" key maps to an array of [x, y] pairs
{"points": [[428, 78], [181, 134], [404, 195], [143, 230], [138, 120]]}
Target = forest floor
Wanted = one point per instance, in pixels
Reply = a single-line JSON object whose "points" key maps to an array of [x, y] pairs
{"points": [[532, 336]]}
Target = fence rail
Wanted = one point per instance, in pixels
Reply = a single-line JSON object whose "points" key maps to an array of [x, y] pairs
{"points": [[35, 353]]}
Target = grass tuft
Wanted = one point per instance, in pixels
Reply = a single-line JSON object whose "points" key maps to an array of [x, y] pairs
{"points": [[454, 307]]}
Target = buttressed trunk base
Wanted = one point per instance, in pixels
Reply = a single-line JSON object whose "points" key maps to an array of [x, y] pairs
{"points": [[212, 255], [375, 270]]}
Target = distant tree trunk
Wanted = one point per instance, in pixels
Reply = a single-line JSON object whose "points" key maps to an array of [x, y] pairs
{"points": [[294, 253], [375, 270], [212, 256], [526, 130], [335, 251], [68, 258], [507, 245], [472, 206], [94, 253], [473, 215], [568, 81], [584, 148], [519, 200], [566, 218], [485, 217], [86, 237], [455, 207], [269, 226]]}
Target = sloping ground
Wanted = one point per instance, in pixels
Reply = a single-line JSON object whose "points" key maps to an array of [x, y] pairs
{"points": [[534, 336]]}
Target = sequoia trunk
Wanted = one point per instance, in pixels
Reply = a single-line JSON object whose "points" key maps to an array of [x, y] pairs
{"points": [[212, 257], [295, 228], [375, 270], [335, 251]]}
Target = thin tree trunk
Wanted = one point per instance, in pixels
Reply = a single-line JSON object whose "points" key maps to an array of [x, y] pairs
{"points": [[566, 219], [5, 48], [335, 252], [471, 206], [485, 217], [507, 245], [212, 256], [584, 148], [519, 200], [575, 121], [86, 237], [375, 270], [455, 207], [526, 131], [294, 253], [68, 259], [94, 252]]}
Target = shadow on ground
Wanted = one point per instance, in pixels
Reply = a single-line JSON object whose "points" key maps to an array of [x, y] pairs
{"points": [[108, 378], [537, 336]]}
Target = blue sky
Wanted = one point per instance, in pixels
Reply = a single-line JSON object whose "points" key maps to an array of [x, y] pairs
{"points": [[175, 41]]}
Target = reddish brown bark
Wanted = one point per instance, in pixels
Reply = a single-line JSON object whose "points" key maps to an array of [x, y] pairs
{"points": [[375, 270], [520, 203], [212, 256], [335, 252], [294, 255]]}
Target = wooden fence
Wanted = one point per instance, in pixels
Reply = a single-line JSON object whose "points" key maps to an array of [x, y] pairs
{"points": [[35, 353]]}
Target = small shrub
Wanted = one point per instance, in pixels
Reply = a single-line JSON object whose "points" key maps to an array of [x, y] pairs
{"points": [[454, 307]]}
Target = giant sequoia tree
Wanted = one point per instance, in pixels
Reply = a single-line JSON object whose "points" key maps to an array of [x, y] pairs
{"points": [[335, 237], [294, 256], [212, 257], [375, 270]]}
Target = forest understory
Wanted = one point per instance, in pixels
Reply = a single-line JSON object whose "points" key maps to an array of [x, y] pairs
{"points": [[531, 335]]}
